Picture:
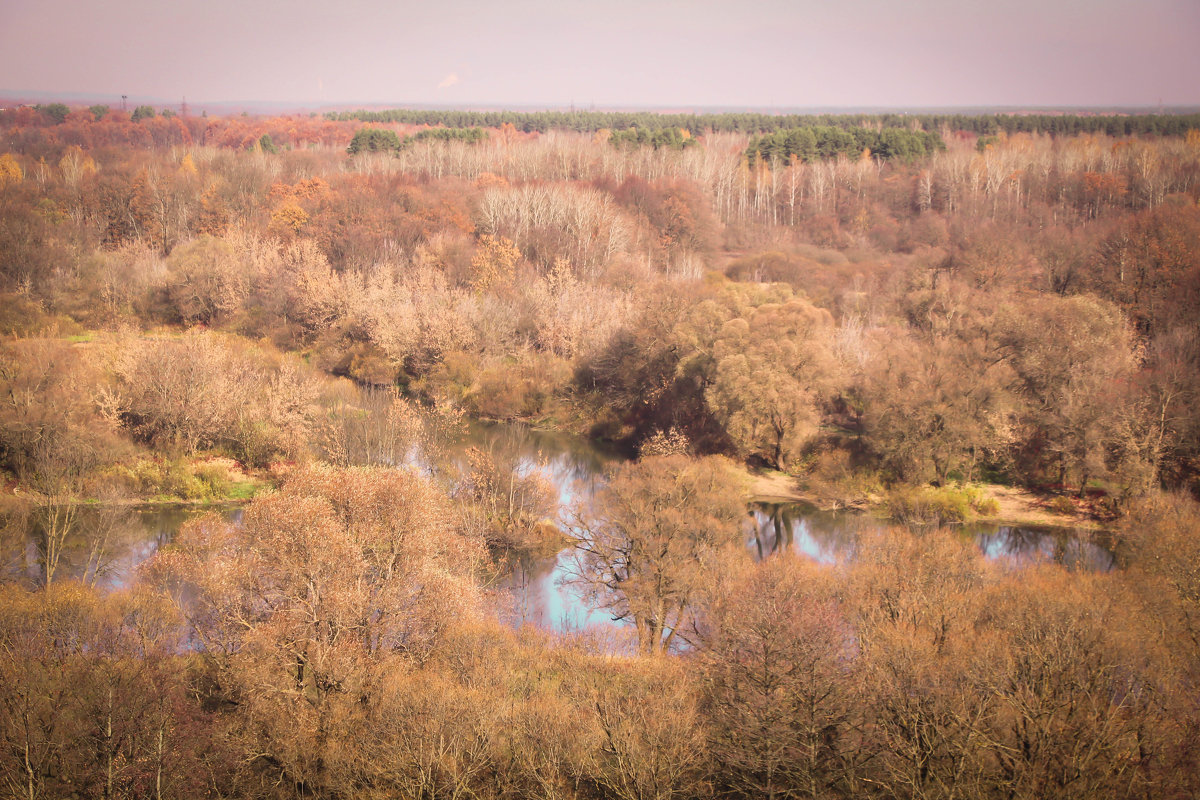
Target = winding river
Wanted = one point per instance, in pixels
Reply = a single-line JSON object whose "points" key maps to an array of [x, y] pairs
{"points": [[530, 588]]}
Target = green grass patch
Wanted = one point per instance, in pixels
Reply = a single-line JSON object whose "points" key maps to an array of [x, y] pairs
{"points": [[945, 505], [243, 490], [178, 479]]}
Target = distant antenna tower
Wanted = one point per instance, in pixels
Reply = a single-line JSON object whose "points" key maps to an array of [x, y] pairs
{"points": [[124, 105], [183, 109]]}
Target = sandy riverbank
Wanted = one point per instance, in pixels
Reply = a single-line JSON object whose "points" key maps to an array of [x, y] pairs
{"points": [[1017, 506]]}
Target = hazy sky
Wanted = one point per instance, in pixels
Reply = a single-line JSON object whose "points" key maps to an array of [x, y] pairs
{"points": [[661, 53]]}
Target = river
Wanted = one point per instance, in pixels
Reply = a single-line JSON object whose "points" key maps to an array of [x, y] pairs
{"points": [[532, 589]]}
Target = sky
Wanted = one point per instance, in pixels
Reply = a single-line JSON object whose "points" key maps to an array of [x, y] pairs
{"points": [[663, 54]]}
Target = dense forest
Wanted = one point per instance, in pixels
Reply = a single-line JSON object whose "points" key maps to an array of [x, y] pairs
{"points": [[894, 313], [756, 123]]}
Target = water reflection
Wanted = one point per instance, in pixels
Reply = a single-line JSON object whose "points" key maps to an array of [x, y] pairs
{"points": [[106, 544], [533, 589], [536, 591], [1076, 550], [573, 464], [824, 536], [828, 537]]}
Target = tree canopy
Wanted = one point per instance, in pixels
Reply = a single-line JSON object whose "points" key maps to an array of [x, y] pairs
{"points": [[649, 545], [375, 140]]}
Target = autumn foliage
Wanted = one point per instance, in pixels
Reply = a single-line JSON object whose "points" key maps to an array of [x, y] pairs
{"points": [[885, 312]]}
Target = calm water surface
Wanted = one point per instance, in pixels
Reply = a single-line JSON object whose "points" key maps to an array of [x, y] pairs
{"points": [[111, 542], [829, 536], [532, 589]]}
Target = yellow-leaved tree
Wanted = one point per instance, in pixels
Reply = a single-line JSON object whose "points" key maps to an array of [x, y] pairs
{"points": [[495, 263], [10, 170]]}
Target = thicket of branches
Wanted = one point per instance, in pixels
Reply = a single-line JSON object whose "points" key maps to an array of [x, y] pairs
{"points": [[1021, 307], [336, 644], [1018, 308]]}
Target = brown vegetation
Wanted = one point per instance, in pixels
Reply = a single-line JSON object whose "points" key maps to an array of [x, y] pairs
{"points": [[176, 297], [338, 648]]}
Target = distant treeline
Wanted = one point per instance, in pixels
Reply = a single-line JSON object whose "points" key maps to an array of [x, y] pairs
{"points": [[375, 139], [468, 135], [824, 141], [697, 124], [672, 138]]}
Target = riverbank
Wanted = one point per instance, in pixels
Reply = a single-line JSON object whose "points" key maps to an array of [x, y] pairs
{"points": [[197, 481], [1019, 506], [1014, 505]]}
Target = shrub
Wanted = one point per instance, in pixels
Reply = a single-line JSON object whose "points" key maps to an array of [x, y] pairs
{"points": [[451, 380], [215, 479], [370, 366], [178, 480], [503, 394], [23, 317], [203, 391], [525, 390], [1062, 505], [669, 443], [986, 507], [173, 478], [940, 506], [208, 281], [928, 506], [980, 503], [837, 476]]}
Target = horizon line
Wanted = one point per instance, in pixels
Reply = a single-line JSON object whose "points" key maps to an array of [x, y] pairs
{"points": [[25, 97]]}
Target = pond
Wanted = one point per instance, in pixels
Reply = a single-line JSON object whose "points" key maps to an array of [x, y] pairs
{"points": [[533, 588]]}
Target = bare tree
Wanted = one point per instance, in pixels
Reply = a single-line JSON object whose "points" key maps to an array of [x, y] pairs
{"points": [[778, 668], [649, 544]]}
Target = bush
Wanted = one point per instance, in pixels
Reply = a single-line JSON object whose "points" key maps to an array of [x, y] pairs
{"points": [[838, 474], [203, 391], [928, 506], [940, 506], [215, 479], [450, 381], [980, 503], [1062, 505], [22, 317], [503, 394], [525, 390], [771, 267], [665, 443], [178, 480], [370, 366], [986, 507], [208, 282], [171, 479]]}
